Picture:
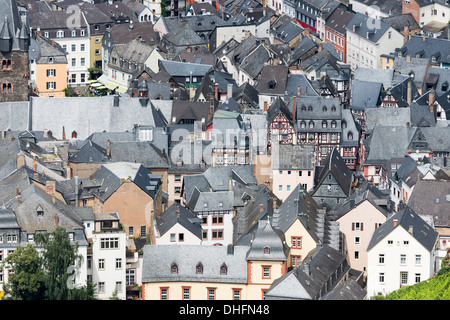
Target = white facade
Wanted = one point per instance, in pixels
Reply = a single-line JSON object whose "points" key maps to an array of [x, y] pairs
{"points": [[238, 33], [398, 260], [178, 235], [218, 228], [108, 264], [154, 6], [434, 12], [361, 52], [78, 58]]}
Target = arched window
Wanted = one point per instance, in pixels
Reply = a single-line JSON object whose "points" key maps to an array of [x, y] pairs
{"points": [[303, 109], [49, 133], [303, 124], [324, 124], [311, 124], [333, 109], [266, 250], [174, 269], [333, 124], [199, 269], [324, 109], [344, 124], [310, 109], [74, 33], [74, 134], [350, 136]]}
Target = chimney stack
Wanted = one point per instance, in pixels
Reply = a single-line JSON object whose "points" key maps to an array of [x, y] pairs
{"points": [[108, 148], [216, 91], [64, 133], [395, 222], [229, 91], [261, 207], [294, 108], [3, 132], [409, 93], [431, 98], [298, 91]]}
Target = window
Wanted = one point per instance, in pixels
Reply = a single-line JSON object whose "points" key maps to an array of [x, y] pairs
{"points": [[164, 293], [7, 88], [181, 237], [174, 269], [51, 85], [97, 40], [266, 272], [403, 259], [357, 240], [119, 286], [101, 287], [390, 242], [266, 250], [217, 234], [6, 64], [356, 255], [74, 136], [130, 277], [109, 243], [295, 261], [118, 263], [82, 47], [211, 293], [82, 33], [101, 264], [357, 226], [143, 231], [381, 277], [404, 278], [381, 258], [74, 33], [418, 259], [97, 52], [130, 231], [83, 61], [236, 294], [223, 270], [51, 72], [296, 242], [217, 219], [186, 293], [417, 277], [288, 188], [199, 269], [74, 62], [73, 47]]}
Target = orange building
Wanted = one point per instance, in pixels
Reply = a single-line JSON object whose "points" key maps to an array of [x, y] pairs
{"points": [[335, 31], [51, 68]]}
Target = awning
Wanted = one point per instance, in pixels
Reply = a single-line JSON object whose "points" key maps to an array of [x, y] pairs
{"points": [[103, 79], [122, 89], [111, 86], [96, 84]]}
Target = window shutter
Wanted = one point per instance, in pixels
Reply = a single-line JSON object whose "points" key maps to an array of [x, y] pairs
{"points": [[362, 226], [47, 82], [54, 72], [48, 73], [353, 226], [376, 225]]}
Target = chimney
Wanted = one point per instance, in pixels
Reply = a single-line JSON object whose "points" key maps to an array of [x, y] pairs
{"points": [[230, 184], [53, 43], [3, 132], [395, 222], [299, 89], [216, 91], [34, 163], [45, 133], [191, 93], [56, 220], [76, 190], [265, 105], [431, 98], [409, 93], [229, 91], [64, 134], [274, 203], [108, 148], [424, 38], [411, 229], [50, 187], [408, 58], [294, 108], [261, 208]]}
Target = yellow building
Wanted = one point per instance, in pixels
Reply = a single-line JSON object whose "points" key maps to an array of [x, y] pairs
{"points": [[51, 69], [387, 61], [204, 272]]}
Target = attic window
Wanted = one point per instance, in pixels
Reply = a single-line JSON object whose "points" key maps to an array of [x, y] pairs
{"points": [[310, 109], [303, 109], [223, 270], [39, 211], [266, 250], [74, 134], [350, 136], [199, 269], [174, 269], [324, 109], [272, 84]]}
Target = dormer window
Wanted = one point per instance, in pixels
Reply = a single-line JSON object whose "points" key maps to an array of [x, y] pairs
{"points": [[74, 33], [199, 269], [310, 109], [39, 211], [174, 269], [324, 109], [266, 250], [350, 136], [223, 270], [60, 34]]}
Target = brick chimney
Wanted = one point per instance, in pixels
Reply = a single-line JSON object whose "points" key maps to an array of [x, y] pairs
{"points": [[294, 108], [108, 148]]}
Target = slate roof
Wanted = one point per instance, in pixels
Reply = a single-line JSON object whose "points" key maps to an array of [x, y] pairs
{"points": [[122, 34], [406, 218], [338, 20], [184, 36], [363, 27], [90, 153], [11, 26], [305, 45], [183, 69], [266, 236], [254, 62], [299, 80], [347, 290], [307, 281], [426, 48], [110, 177], [46, 49], [386, 117], [398, 22], [432, 197], [187, 257], [364, 94], [178, 214], [286, 156], [247, 94], [273, 80], [142, 152]]}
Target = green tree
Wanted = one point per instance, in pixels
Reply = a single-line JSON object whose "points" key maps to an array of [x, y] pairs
{"points": [[60, 259], [26, 281]]}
